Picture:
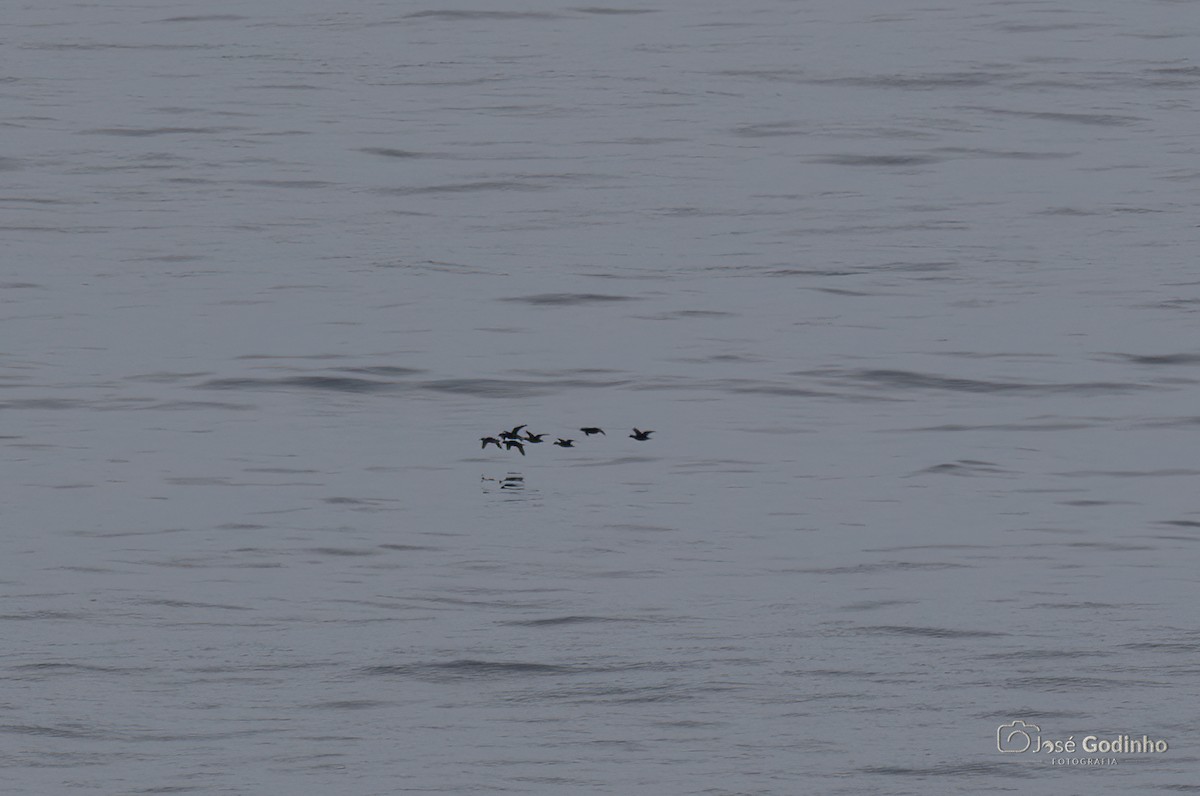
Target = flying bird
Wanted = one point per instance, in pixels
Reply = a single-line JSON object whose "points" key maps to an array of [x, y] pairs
{"points": [[531, 437], [514, 434], [590, 430], [509, 444], [641, 435], [489, 441], [565, 443]]}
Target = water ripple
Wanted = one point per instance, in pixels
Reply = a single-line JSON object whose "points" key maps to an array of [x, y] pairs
{"points": [[567, 299]]}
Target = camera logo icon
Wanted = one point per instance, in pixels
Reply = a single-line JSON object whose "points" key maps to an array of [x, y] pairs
{"points": [[1017, 736]]}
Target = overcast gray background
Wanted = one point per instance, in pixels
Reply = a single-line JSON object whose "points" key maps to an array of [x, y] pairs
{"points": [[906, 290]]}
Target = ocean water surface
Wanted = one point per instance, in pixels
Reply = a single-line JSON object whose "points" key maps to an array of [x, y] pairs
{"points": [[907, 293]]}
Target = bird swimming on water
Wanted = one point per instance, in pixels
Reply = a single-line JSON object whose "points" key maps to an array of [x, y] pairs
{"points": [[590, 430], [489, 441], [565, 443], [509, 444], [641, 435]]}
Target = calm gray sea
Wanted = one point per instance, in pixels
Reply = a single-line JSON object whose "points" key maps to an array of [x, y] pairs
{"points": [[908, 292]]}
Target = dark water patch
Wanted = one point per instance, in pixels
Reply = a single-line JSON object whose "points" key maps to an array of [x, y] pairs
{"points": [[143, 132], [568, 299], [319, 383], [54, 732], [633, 141], [1170, 422], [977, 769], [462, 602], [70, 230], [241, 526], [817, 272], [342, 551], [1043, 654], [1165, 473], [40, 616], [1160, 359], [1006, 427], [201, 481], [466, 187], [238, 668], [1163, 646], [1112, 547], [771, 75], [88, 46], [187, 406], [1134, 210], [614, 11], [1080, 606], [1004, 154], [49, 668], [563, 620], [770, 130], [916, 267], [1044, 27], [927, 632], [1183, 523], [1064, 683], [350, 704], [488, 388], [964, 467], [858, 674], [876, 160], [349, 501], [616, 462], [383, 370], [286, 183], [42, 403], [468, 669], [20, 286], [617, 694], [292, 356], [632, 526], [486, 15], [387, 152], [165, 603], [1099, 119], [1067, 211], [286, 87], [740, 387], [1015, 355], [875, 605], [165, 377], [885, 566], [203, 18], [677, 314], [911, 380], [919, 82], [406, 547]]}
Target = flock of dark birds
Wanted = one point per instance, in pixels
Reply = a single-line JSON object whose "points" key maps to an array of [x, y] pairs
{"points": [[509, 440]]}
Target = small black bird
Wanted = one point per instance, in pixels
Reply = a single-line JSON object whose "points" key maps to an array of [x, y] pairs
{"points": [[509, 444], [589, 431], [565, 443], [514, 434], [489, 441], [531, 437], [641, 435]]}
